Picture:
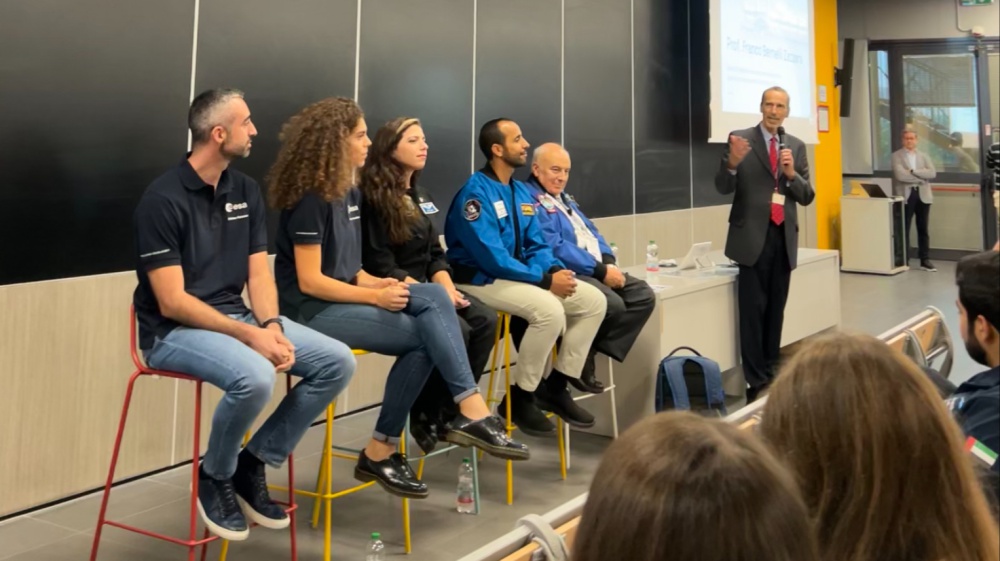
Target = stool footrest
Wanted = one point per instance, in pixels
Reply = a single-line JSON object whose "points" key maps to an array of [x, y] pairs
{"points": [[178, 541]]}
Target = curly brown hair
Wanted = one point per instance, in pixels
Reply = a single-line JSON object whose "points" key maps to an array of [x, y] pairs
{"points": [[382, 181], [314, 153]]}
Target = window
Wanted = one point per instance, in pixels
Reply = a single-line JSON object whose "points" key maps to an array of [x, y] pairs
{"points": [[878, 68], [939, 103]]}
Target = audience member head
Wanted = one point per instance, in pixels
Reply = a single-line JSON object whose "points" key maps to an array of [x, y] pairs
{"points": [[399, 152], [686, 488], [219, 120], [322, 146], [978, 279], [550, 165], [909, 137], [878, 457], [500, 140]]}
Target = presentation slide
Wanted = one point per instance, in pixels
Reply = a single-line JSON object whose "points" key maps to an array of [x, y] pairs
{"points": [[757, 44]]}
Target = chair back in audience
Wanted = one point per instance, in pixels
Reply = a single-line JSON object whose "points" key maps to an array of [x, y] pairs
{"points": [[925, 339]]}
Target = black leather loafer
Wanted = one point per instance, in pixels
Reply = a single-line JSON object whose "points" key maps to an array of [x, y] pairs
{"points": [[587, 383], [391, 475], [562, 404], [425, 434], [487, 434]]}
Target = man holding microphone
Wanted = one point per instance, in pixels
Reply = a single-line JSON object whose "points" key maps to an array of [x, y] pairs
{"points": [[769, 174]]}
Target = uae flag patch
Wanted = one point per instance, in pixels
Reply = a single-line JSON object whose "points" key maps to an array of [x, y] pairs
{"points": [[981, 451]]}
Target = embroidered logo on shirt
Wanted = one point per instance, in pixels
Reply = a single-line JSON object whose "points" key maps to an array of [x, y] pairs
{"points": [[547, 203], [428, 208], [527, 209], [238, 206], [472, 209]]}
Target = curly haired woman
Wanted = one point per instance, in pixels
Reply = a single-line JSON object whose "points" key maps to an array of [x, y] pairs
{"points": [[321, 282]]}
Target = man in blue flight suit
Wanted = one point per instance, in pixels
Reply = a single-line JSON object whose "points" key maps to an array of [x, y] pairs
{"points": [[580, 246], [499, 255]]}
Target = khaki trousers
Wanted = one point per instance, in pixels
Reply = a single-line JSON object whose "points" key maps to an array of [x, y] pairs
{"points": [[576, 319]]}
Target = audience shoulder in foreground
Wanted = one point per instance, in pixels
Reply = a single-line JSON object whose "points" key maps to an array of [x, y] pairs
{"points": [[686, 488], [879, 460]]}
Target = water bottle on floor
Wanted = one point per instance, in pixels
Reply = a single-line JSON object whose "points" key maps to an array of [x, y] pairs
{"points": [[652, 257], [466, 501], [376, 549]]}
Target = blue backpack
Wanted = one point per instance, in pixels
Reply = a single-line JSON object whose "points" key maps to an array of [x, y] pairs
{"points": [[682, 380]]}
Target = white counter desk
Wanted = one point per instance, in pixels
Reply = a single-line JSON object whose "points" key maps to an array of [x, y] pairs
{"points": [[698, 309]]}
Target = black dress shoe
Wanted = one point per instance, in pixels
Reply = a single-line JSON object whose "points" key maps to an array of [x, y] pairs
{"points": [[488, 434], [926, 265], [553, 396], [393, 474], [753, 393], [528, 418], [588, 382]]}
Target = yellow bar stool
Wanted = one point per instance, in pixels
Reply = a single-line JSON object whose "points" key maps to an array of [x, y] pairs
{"points": [[503, 328]]}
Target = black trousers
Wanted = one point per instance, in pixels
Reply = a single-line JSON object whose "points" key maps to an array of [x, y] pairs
{"points": [[922, 210], [478, 322], [629, 307], [762, 292]]}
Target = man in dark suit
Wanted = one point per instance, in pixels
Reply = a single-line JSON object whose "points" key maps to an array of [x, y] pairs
{"points": [[763, 230]]}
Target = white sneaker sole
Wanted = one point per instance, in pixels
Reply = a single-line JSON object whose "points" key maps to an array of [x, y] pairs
{"points": [[223, 533], [260, 519]]}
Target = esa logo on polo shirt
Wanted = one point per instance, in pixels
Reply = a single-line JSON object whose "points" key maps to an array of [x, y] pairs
{"points": [[230, 207]]}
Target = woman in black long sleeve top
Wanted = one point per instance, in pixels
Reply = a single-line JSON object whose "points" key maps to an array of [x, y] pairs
{"points": [[399, 241]]}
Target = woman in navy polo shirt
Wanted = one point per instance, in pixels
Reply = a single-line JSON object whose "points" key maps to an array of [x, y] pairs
{"points": [[400, 242], [321, 283]]}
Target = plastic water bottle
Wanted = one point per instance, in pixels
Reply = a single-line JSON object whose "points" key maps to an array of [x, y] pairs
{"points": [[652, 257], [466, 501], [614, 251], [376, 549]]}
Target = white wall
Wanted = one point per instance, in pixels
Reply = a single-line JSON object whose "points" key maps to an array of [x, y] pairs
{"points": [[913, 19]]}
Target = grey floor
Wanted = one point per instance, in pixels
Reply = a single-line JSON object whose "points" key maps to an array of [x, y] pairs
{"points": [[870, 304]]}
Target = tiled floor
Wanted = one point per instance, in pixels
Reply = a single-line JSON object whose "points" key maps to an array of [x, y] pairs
{"points": [[871, 304]]}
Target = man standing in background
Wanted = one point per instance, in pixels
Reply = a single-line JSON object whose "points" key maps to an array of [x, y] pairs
{"points": [[763, 230], [912, 171]]}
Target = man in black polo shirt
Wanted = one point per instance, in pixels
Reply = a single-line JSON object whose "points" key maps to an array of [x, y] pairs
{"points": [[201, 237]]}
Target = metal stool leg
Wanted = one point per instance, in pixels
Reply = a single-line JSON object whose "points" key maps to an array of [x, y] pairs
{"points": [[194, 469], [510, 424], [114, 463]]}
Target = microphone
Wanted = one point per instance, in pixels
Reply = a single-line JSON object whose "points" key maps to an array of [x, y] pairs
{"points": [[781, 138]]}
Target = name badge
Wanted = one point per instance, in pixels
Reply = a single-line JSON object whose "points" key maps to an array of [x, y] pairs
{"points": [[428, 208], [547, 203], [353, 212], [500, 208], [777, 199], [527, 209]]}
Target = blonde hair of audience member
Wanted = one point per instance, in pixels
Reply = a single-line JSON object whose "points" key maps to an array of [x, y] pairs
{"points": [[880, 461], [686, 488]]}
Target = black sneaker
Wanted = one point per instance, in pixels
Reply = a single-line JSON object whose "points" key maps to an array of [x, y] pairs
{"points": [[251, 493], [218, 508], [926, 265], [524, 414], [553, 396]]}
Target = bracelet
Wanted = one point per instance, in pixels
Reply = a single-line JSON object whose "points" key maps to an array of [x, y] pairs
{"points": [[273, 320]]}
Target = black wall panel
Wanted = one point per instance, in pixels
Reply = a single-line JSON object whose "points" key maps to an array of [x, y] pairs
{"points": [[598, 104], [662, 126], [283, 55], [416, 60], [705, 156], [93, 98], [518, 68]]}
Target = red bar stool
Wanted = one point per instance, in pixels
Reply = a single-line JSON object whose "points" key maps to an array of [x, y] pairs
{"points": [[192, 542]]}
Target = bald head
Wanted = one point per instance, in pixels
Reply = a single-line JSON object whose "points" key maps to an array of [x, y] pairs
{"points": [[550, 165]]}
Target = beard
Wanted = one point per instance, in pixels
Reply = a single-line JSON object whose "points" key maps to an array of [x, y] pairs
{"points": [[513, 161], [976, 351], [233, 151]]}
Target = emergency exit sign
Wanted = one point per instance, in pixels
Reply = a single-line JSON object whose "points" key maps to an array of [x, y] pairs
{"points": [[975, 2]]}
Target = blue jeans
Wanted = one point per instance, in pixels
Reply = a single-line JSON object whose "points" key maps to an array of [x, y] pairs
{"points": [[325, 366], [423, 335]]}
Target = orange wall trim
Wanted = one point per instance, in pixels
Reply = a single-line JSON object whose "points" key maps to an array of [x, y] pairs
{"points": [[828, 176]]}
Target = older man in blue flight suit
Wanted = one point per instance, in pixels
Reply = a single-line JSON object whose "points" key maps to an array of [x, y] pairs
{"points": [[499, 255], [580, 246]]}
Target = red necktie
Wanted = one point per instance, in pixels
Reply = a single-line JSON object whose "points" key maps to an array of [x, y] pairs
{"points": [[777, 211]]}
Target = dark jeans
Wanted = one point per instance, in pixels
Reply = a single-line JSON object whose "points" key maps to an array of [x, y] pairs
{"points": [[478, 323], [763, 291], [922, 210], [423, 335]]}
